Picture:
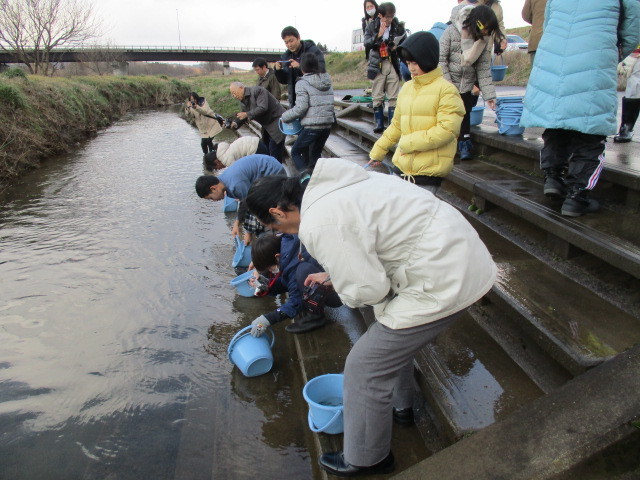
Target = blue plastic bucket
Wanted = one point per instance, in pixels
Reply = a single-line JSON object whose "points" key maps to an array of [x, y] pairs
{"points": [[291, 128], [229, 204], [242, 284], [252, 355], [498, 72], [324, 396], [508, 113], [476, 115], [242, 257]]}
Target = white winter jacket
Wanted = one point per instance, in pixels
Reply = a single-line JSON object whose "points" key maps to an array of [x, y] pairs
{"points": [[228, 153], [393, 245]]}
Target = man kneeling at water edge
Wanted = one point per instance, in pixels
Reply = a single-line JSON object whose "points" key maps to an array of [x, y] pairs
{"points": [[392, 245], [235, 182]]}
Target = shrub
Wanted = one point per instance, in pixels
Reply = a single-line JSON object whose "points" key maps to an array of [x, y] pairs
{"points": [[15, 73], [12, 96]]}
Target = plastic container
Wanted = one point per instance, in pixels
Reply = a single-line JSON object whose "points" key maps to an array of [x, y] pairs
{"points": [[498, 72], [508, 113], [477, 113], [291, 128], [324, 395], [252, 355], [241, 283], [242, 257], [229, 204]]}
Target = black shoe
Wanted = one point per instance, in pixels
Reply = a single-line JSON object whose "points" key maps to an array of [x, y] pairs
{"points": [[403, 416], [378, 115], [306, 322], [335, 464], [554, 186], [578, 203]]}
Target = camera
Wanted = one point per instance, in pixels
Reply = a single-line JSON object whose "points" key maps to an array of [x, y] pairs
{"points": [[314, 297], [263, 286]]}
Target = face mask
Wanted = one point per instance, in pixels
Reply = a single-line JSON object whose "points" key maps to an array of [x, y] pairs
{"points": [[371, 12]]}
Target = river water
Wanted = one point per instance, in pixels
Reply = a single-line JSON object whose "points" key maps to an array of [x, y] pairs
{"points": [[115, 317]]}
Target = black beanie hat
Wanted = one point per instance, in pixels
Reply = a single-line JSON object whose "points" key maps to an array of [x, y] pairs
{"points": [[424, 48]]}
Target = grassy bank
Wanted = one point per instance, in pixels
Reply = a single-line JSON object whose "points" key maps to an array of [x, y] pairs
{"points": [[42, 116]]}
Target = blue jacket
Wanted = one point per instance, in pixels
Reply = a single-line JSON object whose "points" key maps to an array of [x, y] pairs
{"points": [[289, 249], [573, 82], [237, 178]]}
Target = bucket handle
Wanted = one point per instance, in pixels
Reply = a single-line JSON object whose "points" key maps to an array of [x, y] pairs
{"points": [[243, 333], [329, 423], [495, 58], [506, 124]]}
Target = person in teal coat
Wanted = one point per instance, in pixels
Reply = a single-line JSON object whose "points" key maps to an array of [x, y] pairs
{"points": [[572, 92]]}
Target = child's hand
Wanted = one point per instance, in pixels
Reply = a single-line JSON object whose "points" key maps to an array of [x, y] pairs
{"points": [[373, 163], [247, 238], [492, 104]]}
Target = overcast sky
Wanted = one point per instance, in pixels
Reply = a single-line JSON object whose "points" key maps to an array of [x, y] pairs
{"points": [[257, 23]]}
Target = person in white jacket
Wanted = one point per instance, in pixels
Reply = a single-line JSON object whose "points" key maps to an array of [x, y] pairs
{"points": [[225, 154], [392, 245]]}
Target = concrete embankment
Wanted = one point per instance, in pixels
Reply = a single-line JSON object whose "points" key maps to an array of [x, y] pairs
{"points": [[42, 116]]}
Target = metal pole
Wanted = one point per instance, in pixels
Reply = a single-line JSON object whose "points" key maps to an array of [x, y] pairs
{"points": [[178, 20]]}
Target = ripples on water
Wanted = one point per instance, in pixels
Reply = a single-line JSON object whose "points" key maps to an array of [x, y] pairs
{"points": [[115, 315]]}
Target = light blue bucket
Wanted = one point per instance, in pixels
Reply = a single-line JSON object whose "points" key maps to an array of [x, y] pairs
{"points": [[508, 113], [290, 128], [229, 204], [324, 396], [242, 284], [242, 257], [498, 72], [477, 113], [252, 355]]}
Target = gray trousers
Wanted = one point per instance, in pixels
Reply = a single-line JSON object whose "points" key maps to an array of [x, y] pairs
{"points": [[386, 82], [378, 376]]}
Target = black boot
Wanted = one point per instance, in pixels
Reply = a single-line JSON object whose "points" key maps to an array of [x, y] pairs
{"points": [[391, 111], [554, 183], [306, 322], [403, 416], [630, 110], [578, 203], [378, 115]]}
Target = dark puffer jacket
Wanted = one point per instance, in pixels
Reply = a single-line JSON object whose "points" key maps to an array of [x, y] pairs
{"points": [[288, 75], [372, 42]]}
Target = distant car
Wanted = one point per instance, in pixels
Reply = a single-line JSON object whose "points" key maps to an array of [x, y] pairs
{"points": [[516, 42]]}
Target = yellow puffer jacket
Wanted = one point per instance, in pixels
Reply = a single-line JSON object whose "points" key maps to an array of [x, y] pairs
{"points": [[425, 126]]}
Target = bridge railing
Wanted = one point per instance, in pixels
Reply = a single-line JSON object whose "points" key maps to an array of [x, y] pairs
{"points": [[161, 48]]}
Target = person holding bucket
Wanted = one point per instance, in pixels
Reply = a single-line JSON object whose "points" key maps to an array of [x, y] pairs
{"points": [[465, 60], [284, 265], [235, 182], [427, 120], [576, 104], [314, 108], [392, 245]]}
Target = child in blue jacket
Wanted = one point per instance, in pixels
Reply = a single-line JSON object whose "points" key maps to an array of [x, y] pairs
{"points": [[286, 265]]}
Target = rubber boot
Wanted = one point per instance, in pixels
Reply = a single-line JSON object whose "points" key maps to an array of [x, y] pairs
{"points": [[465, 149], [630, 110], [554, 185], [378, 115], [306, 322], [391, 111], [578, 203]]}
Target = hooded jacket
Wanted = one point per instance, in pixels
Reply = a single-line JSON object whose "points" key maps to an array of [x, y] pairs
{"points": [[426, 125], [228, 153], [393, 245], [288, 75], [573, 82], [463, 65], [314, 102], [373, 42], [203, 117]]}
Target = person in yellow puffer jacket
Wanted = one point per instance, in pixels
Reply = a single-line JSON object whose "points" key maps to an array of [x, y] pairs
{"points": [[427, 119]]}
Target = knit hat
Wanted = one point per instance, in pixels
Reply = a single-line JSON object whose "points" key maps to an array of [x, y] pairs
{"points": [[424, 48]]}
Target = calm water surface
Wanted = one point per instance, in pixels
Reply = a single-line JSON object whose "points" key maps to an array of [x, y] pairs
{"points": [[115, 317]]}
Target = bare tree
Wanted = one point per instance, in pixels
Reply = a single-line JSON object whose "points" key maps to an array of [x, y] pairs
{"points": [[100, 59], [33, 29]]}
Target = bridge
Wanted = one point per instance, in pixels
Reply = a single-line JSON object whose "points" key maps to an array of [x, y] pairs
{"points": [[110, 53]]}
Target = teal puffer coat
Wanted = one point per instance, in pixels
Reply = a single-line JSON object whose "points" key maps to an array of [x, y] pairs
{"points": [[573, 82]]}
